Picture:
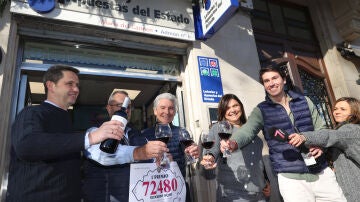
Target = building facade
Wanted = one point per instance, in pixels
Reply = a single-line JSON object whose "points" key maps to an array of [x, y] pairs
{"points": [[151, 48]]}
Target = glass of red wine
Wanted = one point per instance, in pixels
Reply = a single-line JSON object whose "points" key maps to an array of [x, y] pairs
{"points": [[186, 139], [163, 133], [207, 141], [225, 131]]}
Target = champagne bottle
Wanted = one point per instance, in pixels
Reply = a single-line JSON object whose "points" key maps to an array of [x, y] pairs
{"points": [[110, 145]]}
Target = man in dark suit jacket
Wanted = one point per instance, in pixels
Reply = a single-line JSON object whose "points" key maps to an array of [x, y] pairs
{"points": [[108, 180], [45, 152]]}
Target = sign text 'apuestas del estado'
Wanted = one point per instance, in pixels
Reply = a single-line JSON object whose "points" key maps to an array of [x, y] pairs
{"points": [[136, 10]]}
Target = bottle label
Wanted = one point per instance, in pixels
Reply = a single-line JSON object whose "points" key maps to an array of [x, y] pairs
{"points": [[308, 159], [121, 119], [126, 102]]}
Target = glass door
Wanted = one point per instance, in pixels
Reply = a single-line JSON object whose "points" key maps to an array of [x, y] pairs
{"points": [[24, 95]]}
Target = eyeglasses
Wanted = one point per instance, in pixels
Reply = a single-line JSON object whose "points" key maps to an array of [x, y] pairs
{"points": [[119, 105]]}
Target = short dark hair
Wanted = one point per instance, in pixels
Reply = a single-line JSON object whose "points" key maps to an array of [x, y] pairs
{"points": [[354, 108], [55, 73], [281, 69], [271, 69], [223, 106]]}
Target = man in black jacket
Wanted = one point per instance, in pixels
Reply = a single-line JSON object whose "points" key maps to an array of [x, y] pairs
{"points": [[45, 152]]}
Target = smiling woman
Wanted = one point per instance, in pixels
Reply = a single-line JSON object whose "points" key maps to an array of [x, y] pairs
{"points": [[343, 111], [240, 175], [343, 143]]}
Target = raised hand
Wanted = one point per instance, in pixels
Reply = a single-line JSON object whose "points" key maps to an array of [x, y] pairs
{"points": [[152, 149], [208, 161], [296, 139], [193, 150], [110, 129], [316, 151], [231, 145]]}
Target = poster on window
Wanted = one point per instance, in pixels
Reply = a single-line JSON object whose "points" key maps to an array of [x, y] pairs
{"points": [[148, 183]]}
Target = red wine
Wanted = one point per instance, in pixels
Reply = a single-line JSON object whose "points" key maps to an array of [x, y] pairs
{"points": [[163, 139], [187, 143], [208, 145], [110, 145], [224, 136]]}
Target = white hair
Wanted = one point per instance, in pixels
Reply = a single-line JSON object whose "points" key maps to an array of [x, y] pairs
{"points": [[167, 96]]}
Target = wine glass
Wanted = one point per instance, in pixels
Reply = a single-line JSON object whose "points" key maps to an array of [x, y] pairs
{"points": [[207, 141], [225, 131], [186, 139], [163, 133]]}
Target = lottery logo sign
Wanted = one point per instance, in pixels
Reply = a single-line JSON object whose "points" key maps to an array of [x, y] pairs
{"points": [[210, 79], [213, 63]]}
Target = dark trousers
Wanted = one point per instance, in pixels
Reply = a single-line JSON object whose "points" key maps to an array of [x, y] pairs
{"points": [[106, 184]]}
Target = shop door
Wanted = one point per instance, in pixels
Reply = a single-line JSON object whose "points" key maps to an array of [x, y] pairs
{"points": [[103, 69], [90, 107]]}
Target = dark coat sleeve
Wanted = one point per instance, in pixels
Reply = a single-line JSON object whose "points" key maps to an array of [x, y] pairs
{"points": [[32, 142]]}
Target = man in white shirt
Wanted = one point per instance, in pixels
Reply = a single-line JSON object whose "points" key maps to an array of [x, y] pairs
{"points": [[107, 176]]}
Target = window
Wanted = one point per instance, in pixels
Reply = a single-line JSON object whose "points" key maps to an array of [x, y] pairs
{"points": [[284, 19]]}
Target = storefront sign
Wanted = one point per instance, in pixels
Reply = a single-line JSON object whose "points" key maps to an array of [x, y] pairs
{"points": [[210, 79], [147, 183], [211, 15], [168, 18]]}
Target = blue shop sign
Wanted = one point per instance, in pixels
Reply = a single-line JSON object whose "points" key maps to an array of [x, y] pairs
{"points": [[210, 79], [211, 15]]}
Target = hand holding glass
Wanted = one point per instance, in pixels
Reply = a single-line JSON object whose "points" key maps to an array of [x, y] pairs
{"points": [[163, 133], [207, 141], [186, 139], [225, 131]]}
